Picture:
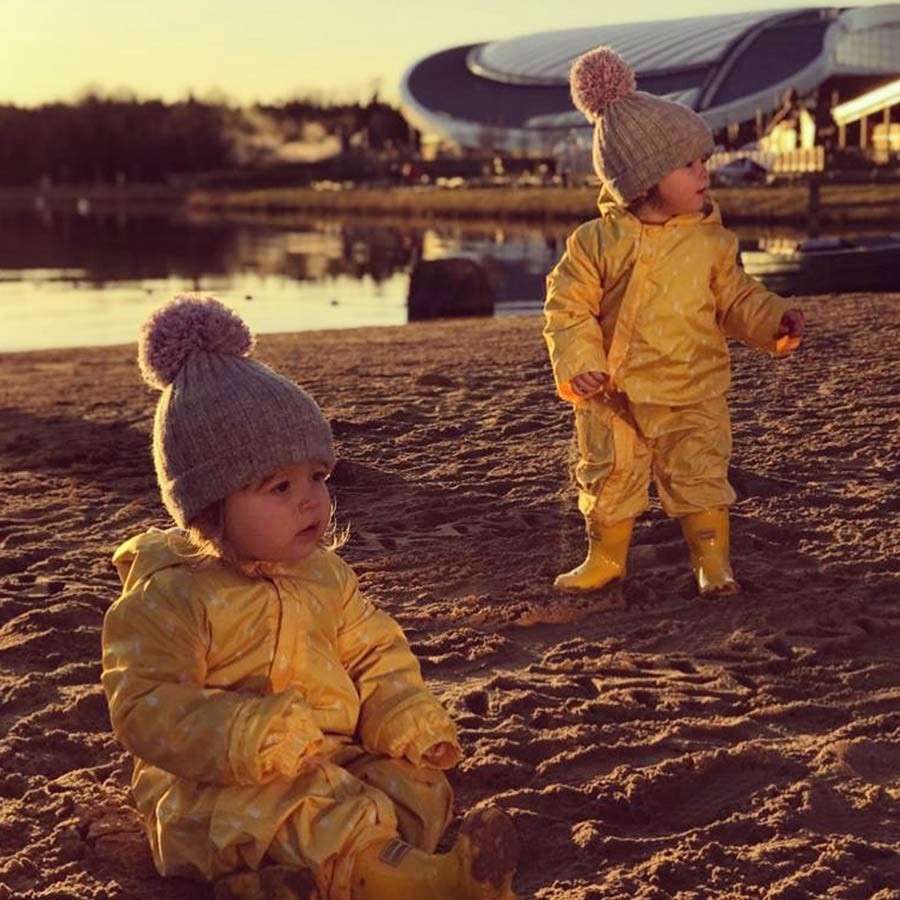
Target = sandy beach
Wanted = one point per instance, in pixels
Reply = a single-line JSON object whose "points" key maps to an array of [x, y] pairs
{"points": [[647, 744]]}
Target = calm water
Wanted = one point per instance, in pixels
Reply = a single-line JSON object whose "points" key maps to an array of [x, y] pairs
{"points": [[70, 280]]}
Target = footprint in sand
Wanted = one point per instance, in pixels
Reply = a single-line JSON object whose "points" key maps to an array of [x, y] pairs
{"points": [[875, 762], [435, 379], [521, 426], [751, 484], [10, 563], [692, 790]]}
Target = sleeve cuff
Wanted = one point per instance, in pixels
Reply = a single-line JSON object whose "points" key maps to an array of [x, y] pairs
{"points": [[413, 729], [275, 734], [419, 748]]}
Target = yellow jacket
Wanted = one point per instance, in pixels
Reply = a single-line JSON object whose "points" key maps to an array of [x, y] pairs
{"points": [[652, 306], [218, 682]]}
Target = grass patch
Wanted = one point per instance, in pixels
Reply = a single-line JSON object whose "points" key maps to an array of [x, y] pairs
{"points": [[839, 203]]}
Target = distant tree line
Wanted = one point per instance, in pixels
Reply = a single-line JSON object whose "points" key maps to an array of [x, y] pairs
{"points": [[117, 140], [377, 125]]}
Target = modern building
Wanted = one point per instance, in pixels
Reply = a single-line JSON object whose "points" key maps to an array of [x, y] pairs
{"points": [[795, 79]]}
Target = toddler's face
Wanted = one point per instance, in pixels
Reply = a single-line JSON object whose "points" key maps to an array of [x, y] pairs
{"points": [[282, 517], [683, 190]]}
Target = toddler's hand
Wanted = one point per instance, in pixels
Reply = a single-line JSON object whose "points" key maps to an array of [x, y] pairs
{"points": [[790, 330], [793, 324], [589, 384], [441, 756]]}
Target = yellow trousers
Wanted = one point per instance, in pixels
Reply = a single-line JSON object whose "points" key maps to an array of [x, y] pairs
{"points": [[685, 449], [360, 799], [320, 820]]}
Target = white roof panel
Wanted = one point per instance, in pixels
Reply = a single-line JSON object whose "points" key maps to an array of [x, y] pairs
{"points": [[875, 49], [575, 119], [646, 46]]}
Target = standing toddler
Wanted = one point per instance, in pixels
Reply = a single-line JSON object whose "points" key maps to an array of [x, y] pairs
{"points": [[638, 314]]}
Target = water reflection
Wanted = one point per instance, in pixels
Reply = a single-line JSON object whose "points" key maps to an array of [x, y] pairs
{"points": [[99, 249], [324, 250], [110, 248], [78, 280]]}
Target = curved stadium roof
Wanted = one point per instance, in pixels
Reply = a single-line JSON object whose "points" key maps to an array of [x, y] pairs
{"points": [[515, 94]]}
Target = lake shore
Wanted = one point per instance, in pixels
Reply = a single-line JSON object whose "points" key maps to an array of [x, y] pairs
{"points": [[840, 205], [646, 743]]}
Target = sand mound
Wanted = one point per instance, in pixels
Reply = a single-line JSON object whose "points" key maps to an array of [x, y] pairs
{"points": [[648, 744]]}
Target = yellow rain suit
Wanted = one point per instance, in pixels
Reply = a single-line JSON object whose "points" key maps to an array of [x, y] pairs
{"points": [[281, 715], [652, 306]]}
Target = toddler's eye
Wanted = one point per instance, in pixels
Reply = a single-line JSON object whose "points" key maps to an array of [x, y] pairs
{"points": [[282, 487], [321, 475]]}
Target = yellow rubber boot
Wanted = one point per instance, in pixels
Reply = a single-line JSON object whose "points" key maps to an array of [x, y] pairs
{"points": [[708, 539], [480, 866], [607, 555]]}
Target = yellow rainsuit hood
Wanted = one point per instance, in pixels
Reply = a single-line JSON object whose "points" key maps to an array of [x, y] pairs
{"points": [[234, 693], [151, 552]]}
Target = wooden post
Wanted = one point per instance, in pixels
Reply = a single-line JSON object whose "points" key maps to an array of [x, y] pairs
{"points": [[813, 204], [841, 129], [888, 143]]}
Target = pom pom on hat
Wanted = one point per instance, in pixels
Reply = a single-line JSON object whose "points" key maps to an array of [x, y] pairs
{"points": [[599, 78], [189, 322]]}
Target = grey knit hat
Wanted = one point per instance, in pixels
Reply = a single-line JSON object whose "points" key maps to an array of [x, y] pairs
{"points": [[638, 138], [223, 420]]}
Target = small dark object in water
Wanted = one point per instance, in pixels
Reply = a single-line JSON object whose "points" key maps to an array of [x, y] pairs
{"points": [[449, 288]]}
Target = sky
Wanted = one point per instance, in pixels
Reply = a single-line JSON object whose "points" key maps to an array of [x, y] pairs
{"points": [[273, 50]]}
